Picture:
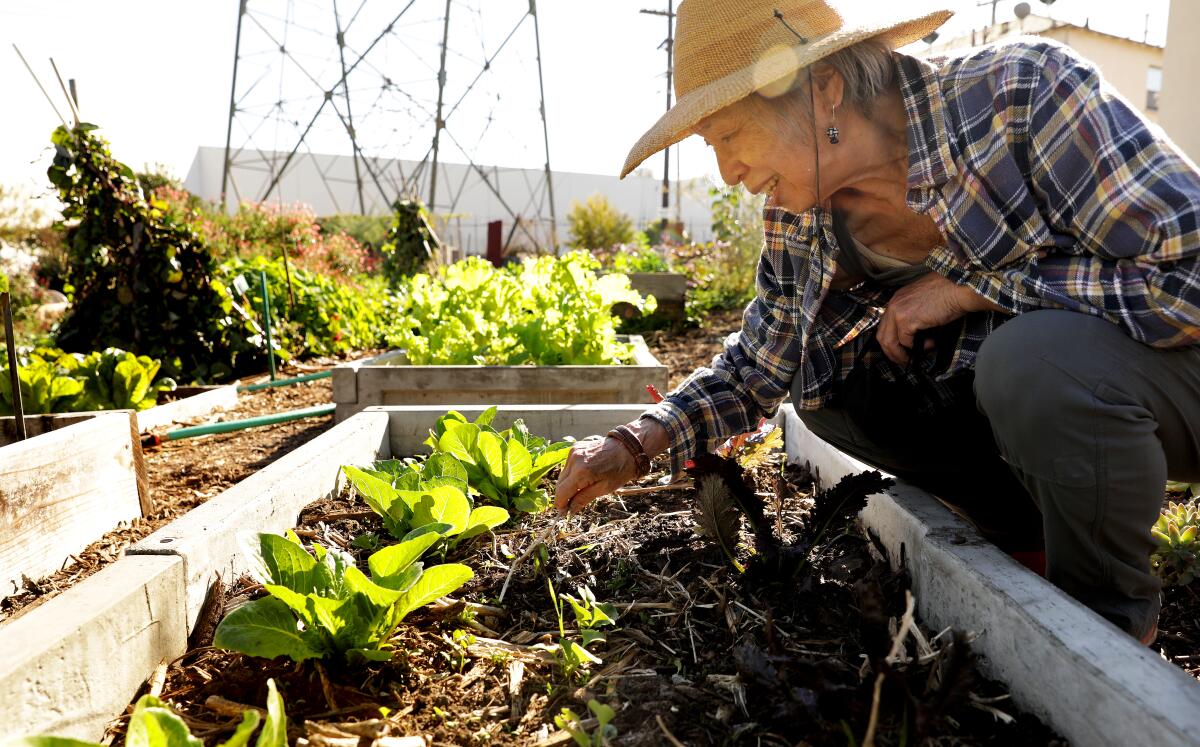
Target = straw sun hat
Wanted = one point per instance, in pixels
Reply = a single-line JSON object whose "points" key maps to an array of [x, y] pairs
{"points": [[727, 49]]}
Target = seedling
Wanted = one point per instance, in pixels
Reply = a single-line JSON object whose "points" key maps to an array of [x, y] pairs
{"points": [[573, 658], [571, 723], [325, 607], [1176, 560], [154, 724], [590, 615], [434, 493]]}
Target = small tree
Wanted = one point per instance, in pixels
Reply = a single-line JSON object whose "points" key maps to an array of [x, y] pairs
{"points": [[596, 224], [411, 241], [141, 279]]}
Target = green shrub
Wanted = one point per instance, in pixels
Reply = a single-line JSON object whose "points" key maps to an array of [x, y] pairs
{"points": [[596, 224], [276, 232], [411, 242], [316, 315], [141, 279], [369, 230]]}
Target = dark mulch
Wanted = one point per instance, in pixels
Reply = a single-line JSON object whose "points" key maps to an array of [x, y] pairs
{"points": [[701, 654], [1179, 624], [184, 474]]}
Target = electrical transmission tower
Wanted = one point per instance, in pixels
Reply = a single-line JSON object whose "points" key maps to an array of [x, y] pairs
{"points": [[357, 103]]}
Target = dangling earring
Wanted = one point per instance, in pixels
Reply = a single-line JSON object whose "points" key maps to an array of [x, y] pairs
{"points": [[832, 131]]}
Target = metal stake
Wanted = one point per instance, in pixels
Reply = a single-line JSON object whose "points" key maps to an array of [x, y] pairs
{"points": [[266, 311], [13, 373]]}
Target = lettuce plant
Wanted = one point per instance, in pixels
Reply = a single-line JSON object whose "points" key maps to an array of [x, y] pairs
{"points": [[546, 311], [115, 379], [154, 724], [412, 496], [325, 607], [506, 466], [55, 381]]}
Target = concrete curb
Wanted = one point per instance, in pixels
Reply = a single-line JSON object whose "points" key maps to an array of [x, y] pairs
{"points": [[361, 384], [1061, 661], [74, 664], [189, 408], [206, 538]]}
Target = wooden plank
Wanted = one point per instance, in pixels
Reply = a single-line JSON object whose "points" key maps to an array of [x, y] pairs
{"points": [[410, 425], [73, 664], [61, 491], [204, 402], [512, 385], [145, 498], [36, 425], [664, 286]]}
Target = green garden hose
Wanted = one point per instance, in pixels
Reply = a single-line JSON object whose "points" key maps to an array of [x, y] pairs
{"points": [[237, 425]]}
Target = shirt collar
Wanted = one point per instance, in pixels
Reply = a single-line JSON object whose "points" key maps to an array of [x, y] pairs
{"points": [[930, 162]]}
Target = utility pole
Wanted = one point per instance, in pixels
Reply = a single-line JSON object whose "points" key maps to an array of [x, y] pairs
{"points": [[670, 45], [438, 123], [237, 47]]}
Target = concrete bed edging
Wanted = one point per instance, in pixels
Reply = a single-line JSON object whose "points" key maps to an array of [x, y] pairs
{"points": [[84, 654], [74, 663], [1087, 679]]}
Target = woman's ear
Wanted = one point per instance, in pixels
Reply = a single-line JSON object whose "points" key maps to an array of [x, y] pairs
{"points": [[831, 86]]}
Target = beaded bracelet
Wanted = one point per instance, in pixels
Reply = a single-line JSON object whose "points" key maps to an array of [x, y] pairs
{"points": [[631, 443]]}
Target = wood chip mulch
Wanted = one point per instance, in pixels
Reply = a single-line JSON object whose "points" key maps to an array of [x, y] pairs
{"points": [[700, 654]]}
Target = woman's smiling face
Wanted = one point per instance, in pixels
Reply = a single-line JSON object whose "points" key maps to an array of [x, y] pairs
{"points": [[766, 159]]}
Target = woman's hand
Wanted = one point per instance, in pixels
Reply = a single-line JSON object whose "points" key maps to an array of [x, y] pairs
{"points": [[597, 467], [928, 302]]}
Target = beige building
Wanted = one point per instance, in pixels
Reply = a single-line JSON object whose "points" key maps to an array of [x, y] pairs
{"points": [[1134, 68], [1180, 106]]}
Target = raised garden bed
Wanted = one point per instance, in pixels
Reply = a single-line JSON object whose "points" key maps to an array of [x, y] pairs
{"points": [[387, 380], [668, 288], [678, 666], [77, 476]]}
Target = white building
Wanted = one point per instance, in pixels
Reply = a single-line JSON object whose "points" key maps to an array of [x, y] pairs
{"points": [[465, 202]]}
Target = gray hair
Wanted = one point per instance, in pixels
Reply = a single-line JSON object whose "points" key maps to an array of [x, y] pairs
{"points": [[867, 69]]}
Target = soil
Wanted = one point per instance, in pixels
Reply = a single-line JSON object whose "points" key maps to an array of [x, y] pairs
{"points": [[184, 474], [685, 350], [700, 654]]}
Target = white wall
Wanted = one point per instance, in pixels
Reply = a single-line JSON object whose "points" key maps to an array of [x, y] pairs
{"points": [[326, 183]]}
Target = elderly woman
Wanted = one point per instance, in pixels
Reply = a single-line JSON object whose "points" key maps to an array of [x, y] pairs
{"points": [[979, 275]]}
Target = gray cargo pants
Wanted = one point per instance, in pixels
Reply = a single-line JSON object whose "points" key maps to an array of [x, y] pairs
{"points": [[1073, 429]]}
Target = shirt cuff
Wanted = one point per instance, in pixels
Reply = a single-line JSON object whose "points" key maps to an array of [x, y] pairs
{"points": [[680, 433], [995, 286]]}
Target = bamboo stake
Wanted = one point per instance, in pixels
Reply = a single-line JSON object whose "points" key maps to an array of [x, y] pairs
{"points": [[40, 86]]}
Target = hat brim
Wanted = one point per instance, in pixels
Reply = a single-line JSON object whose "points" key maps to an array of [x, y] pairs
{"points": [[695, 105]]}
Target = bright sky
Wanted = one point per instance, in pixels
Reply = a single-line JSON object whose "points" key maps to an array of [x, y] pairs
{"points": [[155, 75]]}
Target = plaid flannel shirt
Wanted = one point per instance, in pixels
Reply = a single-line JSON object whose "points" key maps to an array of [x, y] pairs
{"points": [[1050, 192]]}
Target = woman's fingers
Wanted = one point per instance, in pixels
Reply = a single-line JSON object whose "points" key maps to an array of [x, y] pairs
{"points": [[594, 468]]}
